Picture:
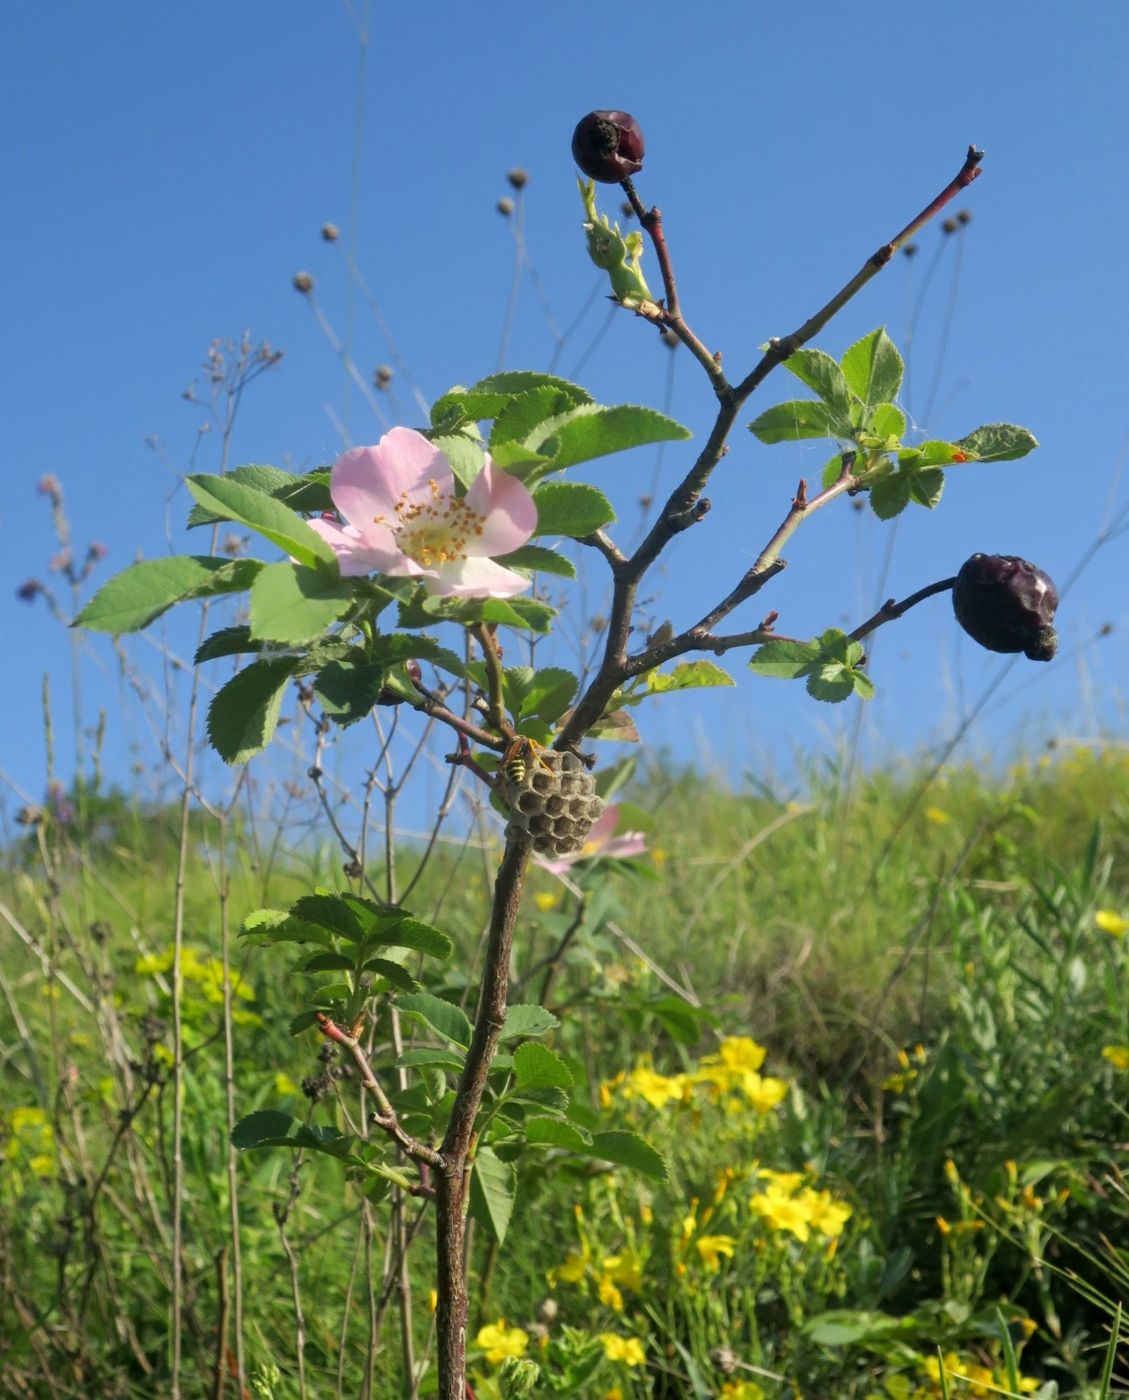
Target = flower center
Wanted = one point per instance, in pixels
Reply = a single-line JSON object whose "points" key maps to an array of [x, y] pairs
{"points": [[434, 531]]}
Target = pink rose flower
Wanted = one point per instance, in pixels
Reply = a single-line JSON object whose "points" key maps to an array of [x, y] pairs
{"points": [[402, 517]]}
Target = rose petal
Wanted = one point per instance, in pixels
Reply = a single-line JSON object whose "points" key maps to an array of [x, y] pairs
{"points": [[368, 483], [355, 554], [476, 578], [510, 515]]}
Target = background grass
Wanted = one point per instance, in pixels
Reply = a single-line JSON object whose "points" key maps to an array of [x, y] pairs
{"points": [[835, 932]]}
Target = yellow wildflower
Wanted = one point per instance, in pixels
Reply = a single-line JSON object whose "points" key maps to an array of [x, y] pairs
{"points": [[625, 1268], [545, 901], [572, 1270], [1111, 922], [742, 1390], [432, 1299], [783, 1212], [943, 1226], [739, 1052], [764, 1093], [646, 1214], [499, 1341], [713, 1248], [629, 1350], [937, 815], [657, 1089], [1117, 1055], [42, 1164], [786, 1181], [828, 1216], [609, 1294], [658, 855], [283, 1084], [21, 1119]]}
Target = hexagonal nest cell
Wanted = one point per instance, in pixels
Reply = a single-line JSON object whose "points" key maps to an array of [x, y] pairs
{"points": [[554, 802]]}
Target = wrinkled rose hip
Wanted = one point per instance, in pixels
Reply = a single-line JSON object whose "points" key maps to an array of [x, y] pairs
{"points": [[608, 146], [1007, 604]]}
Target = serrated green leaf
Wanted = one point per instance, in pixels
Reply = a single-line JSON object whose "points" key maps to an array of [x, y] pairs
{"points": [[873, 368], [538, 1067], [800, 418], [420, 937], [327, 962], [687, 675], [244, 713], [451, 1022], [537, 559], [629, 1150], [523, 414], [821, 373], [831, 472], [549, 693], [833, 645], [831, 681], [463, 454], [929, 454], [304, 493], [269, 926], [527, 614], [232, 500], [557, 1132], [526, 1020], [571, 508], [141, 593], [228, 641], [926, 486], [270, 1128], [333, 913], [291, 604], [403, 646], [493, 1185], [998, 442], [888, 420], [864, 686], [435, 1059], [521, 381], [592, 430], [890, 495], [392, 973], [347, 690], [783, 659]]}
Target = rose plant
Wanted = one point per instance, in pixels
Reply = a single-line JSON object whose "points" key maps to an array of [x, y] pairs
{"points": [[441, 528]]}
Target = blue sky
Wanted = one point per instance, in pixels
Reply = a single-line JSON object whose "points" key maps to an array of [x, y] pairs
{"points": [[167, 170]]}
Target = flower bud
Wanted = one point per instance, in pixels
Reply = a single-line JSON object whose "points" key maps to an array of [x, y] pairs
{"points": [[330, 232], [1007, 604], [518, 178], [505, 206], [303, 283], [608, 146], [518, 1377]]}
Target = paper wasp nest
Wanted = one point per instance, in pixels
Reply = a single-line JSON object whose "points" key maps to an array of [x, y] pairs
{"points": [[552, 798]]}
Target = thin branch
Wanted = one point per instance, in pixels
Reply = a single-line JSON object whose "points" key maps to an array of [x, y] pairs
{"points": [[386, 1119], [780, 350], [652, 222], [891, 609]]}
